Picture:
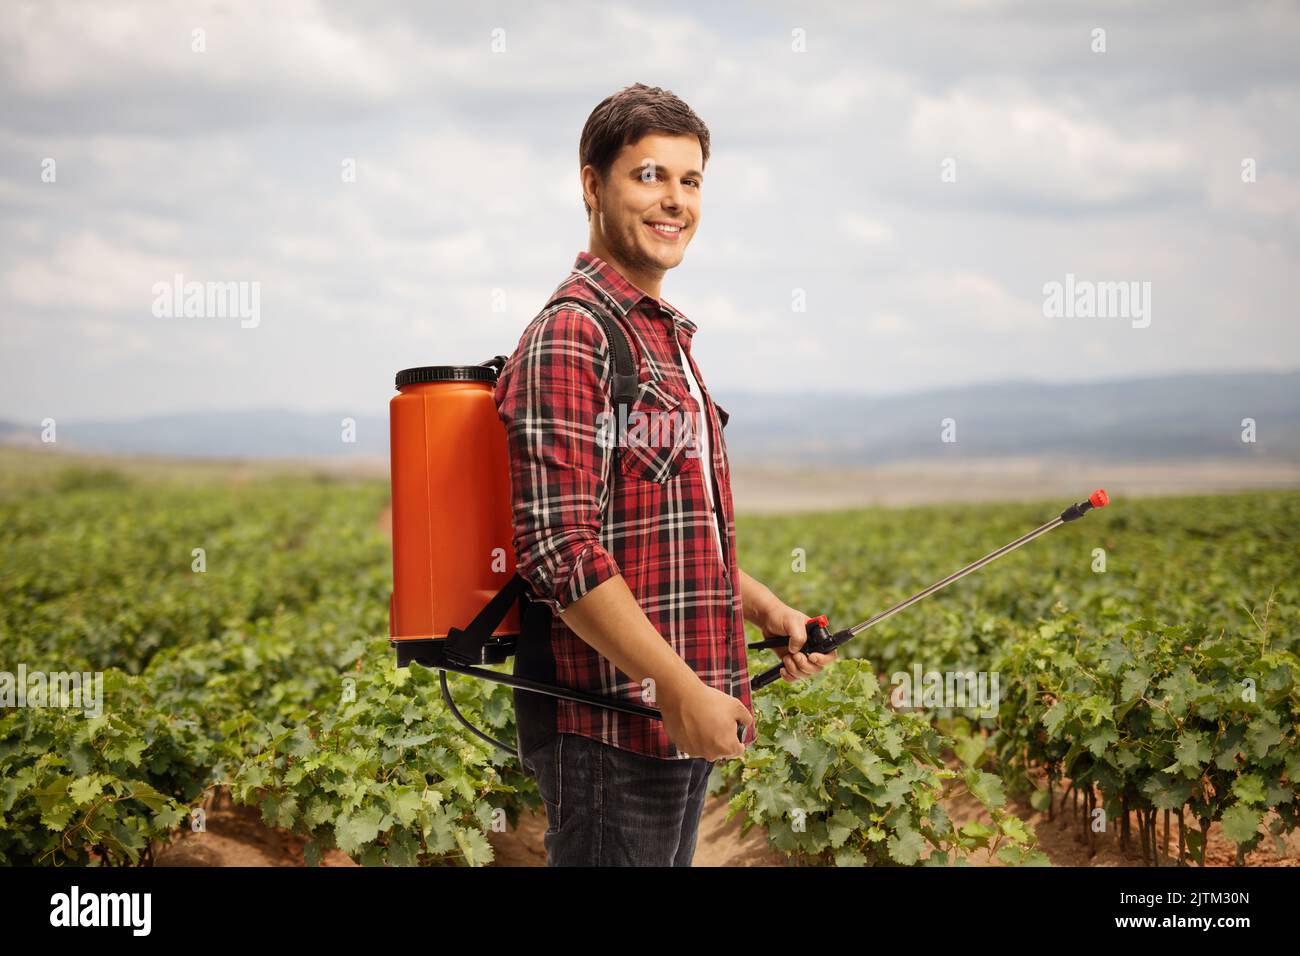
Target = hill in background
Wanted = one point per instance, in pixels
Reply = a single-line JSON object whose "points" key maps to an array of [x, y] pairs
{"points": [[1175, 417]]}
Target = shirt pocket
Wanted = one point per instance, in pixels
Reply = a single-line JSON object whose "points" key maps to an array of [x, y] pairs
{"points": [[659, 444]]}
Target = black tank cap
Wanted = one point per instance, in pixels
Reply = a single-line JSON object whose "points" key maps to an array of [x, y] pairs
{"points": [[484, 372]]}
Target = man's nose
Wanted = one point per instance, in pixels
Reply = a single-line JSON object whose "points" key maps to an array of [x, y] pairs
{"points": [[674, 197]]}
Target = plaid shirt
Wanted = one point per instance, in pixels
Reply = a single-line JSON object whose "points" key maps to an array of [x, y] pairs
{"points": [[583, 514]]}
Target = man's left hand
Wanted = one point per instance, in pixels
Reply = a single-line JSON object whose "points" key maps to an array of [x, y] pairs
{"points": [[785, 621]]}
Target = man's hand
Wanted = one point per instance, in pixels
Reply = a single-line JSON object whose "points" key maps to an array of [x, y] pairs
{"points": [[785, 621], [701, 720]]}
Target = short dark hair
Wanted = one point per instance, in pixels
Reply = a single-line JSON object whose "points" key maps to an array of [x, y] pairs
{"points": [[624, 117]]}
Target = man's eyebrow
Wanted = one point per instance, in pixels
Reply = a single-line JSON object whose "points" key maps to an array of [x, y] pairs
{"points": [[638, 170]]}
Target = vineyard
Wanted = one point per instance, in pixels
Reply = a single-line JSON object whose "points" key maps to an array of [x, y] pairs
{"points": [[1147, 662]]}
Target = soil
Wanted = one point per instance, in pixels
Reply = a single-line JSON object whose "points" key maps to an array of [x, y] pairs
{"points": [[236, 836], [1062, 838], [719, 843]]}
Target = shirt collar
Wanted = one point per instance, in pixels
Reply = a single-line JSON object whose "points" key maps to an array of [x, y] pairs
{"points": [[624, 294]]}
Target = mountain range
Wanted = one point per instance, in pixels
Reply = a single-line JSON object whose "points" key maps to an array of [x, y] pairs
{"points": [[1179, 416]]}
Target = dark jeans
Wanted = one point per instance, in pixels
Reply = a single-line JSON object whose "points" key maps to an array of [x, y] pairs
{"points": [[613, 807]]}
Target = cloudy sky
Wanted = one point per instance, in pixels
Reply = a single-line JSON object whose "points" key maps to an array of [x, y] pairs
{"points": [[134, 149]]}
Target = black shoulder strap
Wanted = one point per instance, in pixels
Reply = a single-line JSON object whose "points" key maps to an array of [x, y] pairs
{"points": [[466, 646], [535, 713], [625, 386]]}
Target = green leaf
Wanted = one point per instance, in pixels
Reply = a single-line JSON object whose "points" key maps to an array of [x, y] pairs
{"points": [[970, 750], [1263, 735], [792, 742], [168, 818], [475, 846], [1014, 855], [319, 810], [905, 847], [56, 817], [1193, 751], [279, 810], [1134, 684], [849, 857], [1097, 741], [147, 795], [1240, 824], [50, 794], [1167, 792], [891, 740], [353, 832], [1249, 788], [1055, 717], [85, 789], [405, 804], [868, 764], [985, 787], [841, 826], [979, 833], [1015, 829], [301, 744]]}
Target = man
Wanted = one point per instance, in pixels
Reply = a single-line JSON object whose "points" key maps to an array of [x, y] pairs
{"points": [[632, 547]]}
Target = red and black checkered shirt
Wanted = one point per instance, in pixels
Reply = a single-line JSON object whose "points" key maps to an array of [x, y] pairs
{"points": [[584, 511]]}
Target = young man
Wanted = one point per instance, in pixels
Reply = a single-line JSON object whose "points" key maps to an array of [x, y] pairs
{"points": [[632, 547]]}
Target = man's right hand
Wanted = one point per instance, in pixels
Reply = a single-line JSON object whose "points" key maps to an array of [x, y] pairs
{"points": [[701, 720]]}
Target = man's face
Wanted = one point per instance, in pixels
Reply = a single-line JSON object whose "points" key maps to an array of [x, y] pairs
{"points": [[657, 179]]}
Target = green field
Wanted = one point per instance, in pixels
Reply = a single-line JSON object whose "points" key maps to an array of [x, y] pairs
{"points": [[1164, 685]]}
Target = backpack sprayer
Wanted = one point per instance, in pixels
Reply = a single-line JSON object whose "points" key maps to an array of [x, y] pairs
{"points": [[453, 533]]}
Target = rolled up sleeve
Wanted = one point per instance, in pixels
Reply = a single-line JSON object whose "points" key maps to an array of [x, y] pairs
{"points": [[552, 397]]}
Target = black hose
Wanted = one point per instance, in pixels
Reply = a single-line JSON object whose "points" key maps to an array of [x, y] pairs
{"points": [[446, 696]]}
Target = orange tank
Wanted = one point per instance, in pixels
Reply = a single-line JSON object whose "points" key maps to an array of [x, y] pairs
{"points": [[452, 524]]}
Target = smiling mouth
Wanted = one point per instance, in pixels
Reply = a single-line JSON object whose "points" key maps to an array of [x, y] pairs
{"points": [[663, 230]]}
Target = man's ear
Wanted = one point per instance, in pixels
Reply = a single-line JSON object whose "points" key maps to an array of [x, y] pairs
{"points": [[592, 200], [598, 184]]}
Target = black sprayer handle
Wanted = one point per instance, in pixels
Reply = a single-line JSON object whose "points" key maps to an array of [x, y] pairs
{"points": [[820, 641]]}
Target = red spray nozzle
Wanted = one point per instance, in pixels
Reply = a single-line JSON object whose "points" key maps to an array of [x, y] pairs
{"points": [[1099, 498]]}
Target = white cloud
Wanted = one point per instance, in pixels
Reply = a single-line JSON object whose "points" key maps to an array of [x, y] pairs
{"points": [[70, 47], [88, 272], [865, 230], [969, 297], [1040, 151]]}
